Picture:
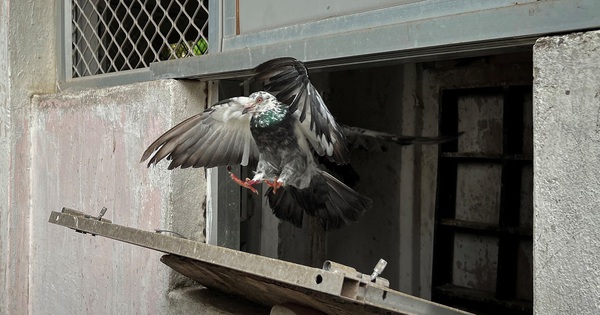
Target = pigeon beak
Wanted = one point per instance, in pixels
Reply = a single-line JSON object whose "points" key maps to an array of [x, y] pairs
{"points": [[248, 107]]}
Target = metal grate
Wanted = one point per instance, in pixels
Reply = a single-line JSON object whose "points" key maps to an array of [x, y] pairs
{"points": [[119, 35]]}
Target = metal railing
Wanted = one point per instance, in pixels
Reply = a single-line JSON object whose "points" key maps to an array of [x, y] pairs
{"points": [[119, 35]]}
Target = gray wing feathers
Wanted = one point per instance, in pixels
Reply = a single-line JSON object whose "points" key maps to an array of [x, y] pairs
{"points": [[218, 136], [377, 141]]}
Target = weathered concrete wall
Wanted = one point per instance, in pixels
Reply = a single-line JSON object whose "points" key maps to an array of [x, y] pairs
{"points": [[27, 66], [567, 174], [85, 154], [377, 234]]}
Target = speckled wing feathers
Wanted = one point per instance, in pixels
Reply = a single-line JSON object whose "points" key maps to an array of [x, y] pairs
{"points": [[377, 141], [216, 137], [287, 79]]}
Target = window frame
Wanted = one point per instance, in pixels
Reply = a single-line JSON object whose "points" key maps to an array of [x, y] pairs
{"points": [[449, 29], [64, 53]]}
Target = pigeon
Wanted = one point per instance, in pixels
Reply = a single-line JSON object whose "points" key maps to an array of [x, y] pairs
{"points": [[282, 133], [287, 79], [286, 130]]}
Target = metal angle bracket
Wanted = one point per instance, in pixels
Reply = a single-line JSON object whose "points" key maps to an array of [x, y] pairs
{"points": [[78, 213], [335, 289]]}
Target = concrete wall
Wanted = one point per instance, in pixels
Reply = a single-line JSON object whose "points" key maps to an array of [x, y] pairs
{"points": [[27, 66], [85, 153], [567, 176], [81, 149]]}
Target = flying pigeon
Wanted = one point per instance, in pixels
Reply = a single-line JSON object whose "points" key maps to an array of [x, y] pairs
{"points": [[281, 133], [280, 129]]}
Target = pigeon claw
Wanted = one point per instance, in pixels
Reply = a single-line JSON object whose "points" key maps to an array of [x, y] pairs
{"points": [[274, 184], [246, 184]]}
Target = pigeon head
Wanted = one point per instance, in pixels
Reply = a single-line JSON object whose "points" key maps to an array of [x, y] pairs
{"points": [[265, 109], [260, 101]]}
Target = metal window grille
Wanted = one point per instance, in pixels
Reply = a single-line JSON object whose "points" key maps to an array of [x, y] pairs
{"points": [[119, 35]]}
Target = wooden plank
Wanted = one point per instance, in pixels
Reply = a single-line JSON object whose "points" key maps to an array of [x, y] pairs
{"points": [[487, 227], [486, 157]]}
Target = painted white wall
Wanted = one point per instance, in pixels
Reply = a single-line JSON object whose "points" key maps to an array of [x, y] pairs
{"points": [[567, 174]]}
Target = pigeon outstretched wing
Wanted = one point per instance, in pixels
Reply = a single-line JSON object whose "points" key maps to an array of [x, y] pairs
{"points": [[375, 141], [287, 79], [216, 137], [378, 141]]}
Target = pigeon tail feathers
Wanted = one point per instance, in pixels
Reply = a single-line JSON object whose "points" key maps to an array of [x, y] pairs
{"points": [[331, 201]]}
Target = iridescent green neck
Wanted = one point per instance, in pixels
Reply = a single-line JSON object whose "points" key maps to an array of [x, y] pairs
{"points": [[269, 117]]}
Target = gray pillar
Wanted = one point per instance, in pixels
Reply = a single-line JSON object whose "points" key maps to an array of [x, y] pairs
{"points": [[567, 174]]}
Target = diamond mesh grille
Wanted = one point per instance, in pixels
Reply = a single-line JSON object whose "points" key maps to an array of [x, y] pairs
{"points": [[118, 35]]}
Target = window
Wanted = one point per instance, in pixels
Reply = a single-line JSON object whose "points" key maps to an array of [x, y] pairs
{"points": [[406, 98], [493, 164], [118, 35], [483, 242]]}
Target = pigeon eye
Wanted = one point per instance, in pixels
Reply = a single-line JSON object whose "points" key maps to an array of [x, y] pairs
{"points": [[259, 99]]}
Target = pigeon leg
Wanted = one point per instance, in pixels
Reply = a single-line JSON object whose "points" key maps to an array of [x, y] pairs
{"points": [[246, 184], [274, 184]]}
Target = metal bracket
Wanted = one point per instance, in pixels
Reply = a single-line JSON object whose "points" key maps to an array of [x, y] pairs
{"points": [[86, 216]]}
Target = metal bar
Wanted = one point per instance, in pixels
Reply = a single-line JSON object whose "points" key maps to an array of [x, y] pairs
{"points": [[223, 207], [287, 276], [238, 63], [487, 228], [253, 264], [313, 24], [63, 42], [223, 221], [486, 157], [108, 79], [433, 23], [215, 28], [212, 198], [477, 32], [457, 30], [228, 209], [229, 17]]}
